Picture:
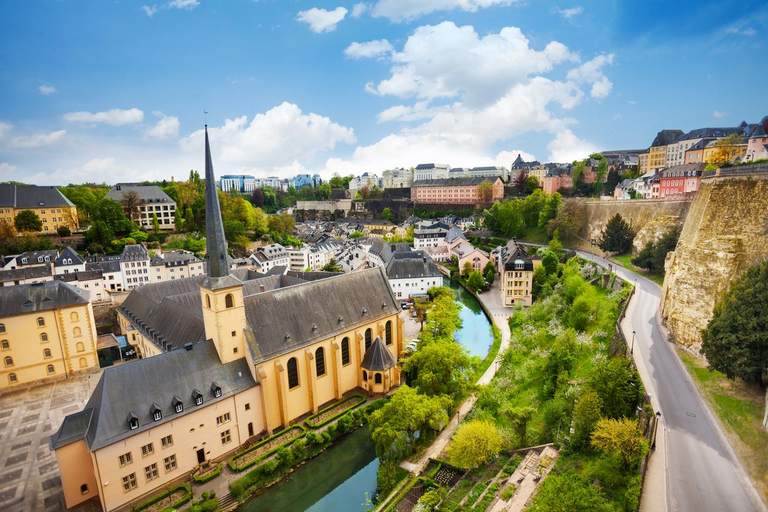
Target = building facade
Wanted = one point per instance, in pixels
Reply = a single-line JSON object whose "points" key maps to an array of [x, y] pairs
{"points": [[454, 191], [243, 183], [680, 180], [516, 274], [48, 203], [151, 202], [397, 178]]}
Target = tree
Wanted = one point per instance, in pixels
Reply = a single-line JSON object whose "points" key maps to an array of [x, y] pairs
{"points": [[618, 387], [619, 438], [484, 191], [550, 263], [257, 197], [178, 219], [531, 184], [633, 194], [466, 269], [569, 220], [386, 214], [131, 201], [518, 418], [138, 236], [100, 234], [586, 414], [490, 266], [155, 224], [110, 212], [617, 236], [324, 191], [566, 492], [356, 234], [63, 231], [8, 238], [549, 211], [442, 318], [613, 179], [28, 221], [387, 477], [735, 341], [439, 368], [332, 266], [476, 281], [474, 443], [233, 229], [600, 176], [726, 149], [539, 280], [489, 276]]}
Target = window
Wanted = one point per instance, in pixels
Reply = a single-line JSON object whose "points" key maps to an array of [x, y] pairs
{"points": [[377, 378], [43, 337], [224, 418], [83, 362], [166, 441], [198, 397], [74, 317], [47, 353], [77, 332], [368, 340], [229, 301], [80, 347], [147, 449], [157, 414], [12, 378], [178, 406], [293, 373], [345, 351], [388, 332], [84, 489], [207, 300], [2, 328], [40, 321], [129, 482], [151, 471], [170, 463], [133, 421], [50, 369], [365, 376], [226, 437], [248, 406], [5, 344], [126, 458], [320, 361], [216, 390]]}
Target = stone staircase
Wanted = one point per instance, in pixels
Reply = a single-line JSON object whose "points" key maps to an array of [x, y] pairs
{"points": [[227, 502]]}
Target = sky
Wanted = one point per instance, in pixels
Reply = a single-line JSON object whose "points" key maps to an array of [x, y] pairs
{"points": [[116, 91]]}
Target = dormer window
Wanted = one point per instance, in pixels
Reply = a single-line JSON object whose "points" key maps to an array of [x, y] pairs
{"points": [[157, 414], [133, 420], [24, 260], [178, 405], [216, 390], [197, 396]]}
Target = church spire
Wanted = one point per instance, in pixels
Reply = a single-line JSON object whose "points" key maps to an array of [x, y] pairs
{"points": [[214, 228]]}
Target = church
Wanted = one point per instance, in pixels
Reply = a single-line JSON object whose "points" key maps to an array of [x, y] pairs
{"points": [[226, 357]]}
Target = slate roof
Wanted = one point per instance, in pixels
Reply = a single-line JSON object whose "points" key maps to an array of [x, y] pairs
{"points": [[46, 296], [665, 137], [21, 274], [107, 266], [148, 193], [135, 252], [453, 234], [712, 132], [173, 259], [432, 166], [33, 257], [377, 358], [134, 387], [32, 196], [683, 170], [451, 182], [289, 318], [70, 253], [88, 275], [512, 253], [411, 265]]}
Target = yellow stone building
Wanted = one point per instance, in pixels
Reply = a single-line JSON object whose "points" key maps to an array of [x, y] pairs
{"points": [[47, 331], [234, 356], [516, 274], [53, 208]]}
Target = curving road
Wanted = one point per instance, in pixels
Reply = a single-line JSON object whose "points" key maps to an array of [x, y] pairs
{"points": [[702, 473]]}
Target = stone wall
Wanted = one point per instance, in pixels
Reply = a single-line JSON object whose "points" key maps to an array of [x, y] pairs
{"points": [[650, 217], [725, 232]]}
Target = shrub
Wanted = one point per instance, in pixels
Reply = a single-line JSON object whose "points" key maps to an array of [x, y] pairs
{"points": [[63, 231], [161, 496], [209, 476], [354, 401]]}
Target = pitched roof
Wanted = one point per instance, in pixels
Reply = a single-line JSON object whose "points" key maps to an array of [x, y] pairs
{"points": [[134, 252], [377, 358], [452, 182], [46, 296], [68, 253], [683, 170], [147, 193], [411, 265], [453, 234], [216, 242], [665, 137], [24, 273], [32, 196], [136, 386]]}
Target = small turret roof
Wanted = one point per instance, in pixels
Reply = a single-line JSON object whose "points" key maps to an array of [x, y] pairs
{"points": [[378, 358]]}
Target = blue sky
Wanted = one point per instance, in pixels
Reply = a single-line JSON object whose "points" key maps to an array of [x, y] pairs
{"points": [[115, 91]]}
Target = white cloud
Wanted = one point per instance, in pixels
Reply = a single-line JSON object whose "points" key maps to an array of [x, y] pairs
{"points": [[407, 10], [101, 166], [568, 13], [115, 117], [505, 158], [320, 20], [37, 140], [149, 10], [631, 102], [718, 115], [358, 10], [750, 32], [591, 72], [167, 126], [7, 171], [183, 4], [273, 139], [46, 89], [5, 129], [567, 147], [368, 49]]}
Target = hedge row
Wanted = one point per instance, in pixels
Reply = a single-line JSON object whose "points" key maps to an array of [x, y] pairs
{"points": [[209, 476], [237, 468], [164, 495], [359, 400]]}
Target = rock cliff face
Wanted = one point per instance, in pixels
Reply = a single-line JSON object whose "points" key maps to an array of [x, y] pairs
{"points": [[725, 232], [651, 218]]}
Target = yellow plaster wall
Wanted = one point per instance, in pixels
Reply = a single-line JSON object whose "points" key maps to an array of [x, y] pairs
{"points": [[76, 456]]}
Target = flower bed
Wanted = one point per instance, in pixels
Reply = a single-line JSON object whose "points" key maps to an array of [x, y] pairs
{"points": [[334, 411], [255, 453], [206, 477], [174, 498]]}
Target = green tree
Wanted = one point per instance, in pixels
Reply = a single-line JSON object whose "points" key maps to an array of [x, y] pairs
{"points": [[178, 219], [63, 231], [569, 220], [619, 438], [155, 224], [474, 444], [489, 276], [324, 191], [189, 220], [475, 281], [531, 183], [386, 214], [618, 387], [568, 492], [138, 236], [466, 269], [233, 229], [439, 368], [490, 266], [485, 191], [332, 266], [735, 341], [100, 234], [28, 221], [388, 476], [356, 234], [586, 414], [539, 280], [110, 212], [442, 318], [518, 417], [601, 174], [617, 236], [550, 263], [550, 209]]}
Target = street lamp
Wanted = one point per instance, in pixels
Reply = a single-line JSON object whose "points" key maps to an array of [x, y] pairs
{"points": [[632, 348]]}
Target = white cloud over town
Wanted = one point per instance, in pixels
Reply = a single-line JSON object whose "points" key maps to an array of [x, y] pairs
{"points": [[45, 90], [37, 140], [369, 49], [568, 13], [399, 11], [114, 117], [166, 127], [321, 20]]}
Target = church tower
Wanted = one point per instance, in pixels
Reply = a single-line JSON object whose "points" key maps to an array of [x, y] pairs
{"points": [[221, 293]]}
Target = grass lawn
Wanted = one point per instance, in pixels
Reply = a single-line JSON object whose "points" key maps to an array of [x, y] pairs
{"points": [[739, 408], [624, 260]]}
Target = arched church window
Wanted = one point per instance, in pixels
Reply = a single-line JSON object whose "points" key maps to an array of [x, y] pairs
{"points": [[293, 373]]}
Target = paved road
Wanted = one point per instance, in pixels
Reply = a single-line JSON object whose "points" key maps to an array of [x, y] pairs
{"points": [[702, 472]]}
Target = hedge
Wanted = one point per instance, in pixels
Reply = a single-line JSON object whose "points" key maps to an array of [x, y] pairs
{"points": [[237, 468], [208, 477], [164, 495], [400, 495], [360, 400]]}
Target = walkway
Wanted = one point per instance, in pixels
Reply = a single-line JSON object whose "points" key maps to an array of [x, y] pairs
{"points": [[492, 302]]}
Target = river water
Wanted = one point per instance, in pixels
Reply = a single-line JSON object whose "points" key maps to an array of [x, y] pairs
{"points": [[339, 478]]}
